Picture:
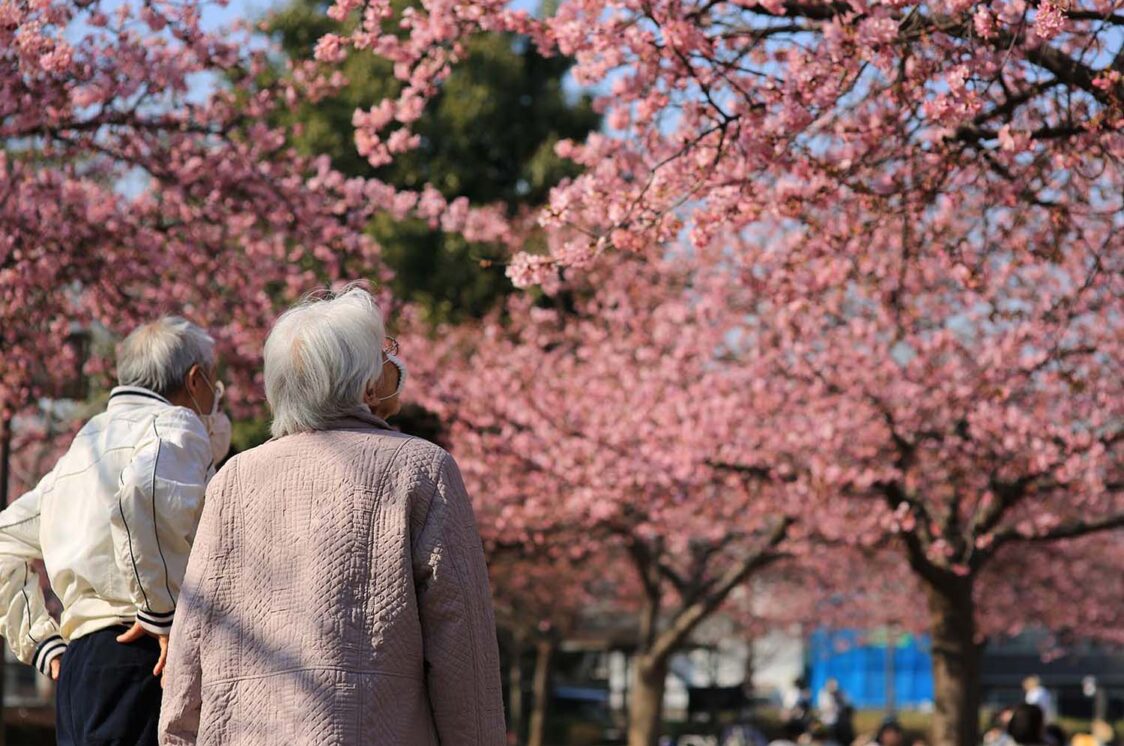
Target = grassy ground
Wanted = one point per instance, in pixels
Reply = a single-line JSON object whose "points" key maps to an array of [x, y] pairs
{"points": [[915, 724]]}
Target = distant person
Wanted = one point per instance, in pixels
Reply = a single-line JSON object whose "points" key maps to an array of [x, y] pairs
{"points": [[1027, 726], [829, 703], [1036, 694], [835, 712], [844, 731], [1104, 732], [1056, 735], [337, 592], [890, 733], [996, 733], [792, 730], [113, 523], [742, 734], [797, 704], [820, 735]]}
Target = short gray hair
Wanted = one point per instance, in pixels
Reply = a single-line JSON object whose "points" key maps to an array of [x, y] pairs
{"points": [[320, 357], [158, 355]]}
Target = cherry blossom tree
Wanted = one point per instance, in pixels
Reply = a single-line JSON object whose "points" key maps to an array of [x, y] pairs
{"points": [[919, 205], [966, 422], [586, 424], [925, 199], [962, 404], [138, 175], [721, 112], [129, 190]]}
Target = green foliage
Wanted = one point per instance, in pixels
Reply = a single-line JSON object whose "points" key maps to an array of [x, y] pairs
{"points": [[247, 433], [489, 135]]}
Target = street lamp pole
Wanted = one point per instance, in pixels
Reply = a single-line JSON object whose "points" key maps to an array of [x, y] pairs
{"points": [[891, 674]]}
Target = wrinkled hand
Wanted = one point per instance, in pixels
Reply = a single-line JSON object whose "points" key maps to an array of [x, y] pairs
{"points": [[56, 665], [135, 633]]}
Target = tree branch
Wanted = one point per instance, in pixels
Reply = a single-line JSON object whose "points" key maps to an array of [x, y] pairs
{"points": [[693, 614], [649, 580], [1066, 69], [1068, 530], [1008, 494]]}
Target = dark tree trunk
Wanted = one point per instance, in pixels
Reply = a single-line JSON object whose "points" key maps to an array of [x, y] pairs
{"points": [[515, 705], [645, 711], [544, 661], [956, 663]]}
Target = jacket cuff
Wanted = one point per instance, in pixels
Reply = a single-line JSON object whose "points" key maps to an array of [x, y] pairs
{"points": [[156, 623], [47, 651]]}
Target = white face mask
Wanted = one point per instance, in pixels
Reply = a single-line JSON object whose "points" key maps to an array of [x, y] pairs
{"points": [[218, 425], [221, 431], [400, 364]]}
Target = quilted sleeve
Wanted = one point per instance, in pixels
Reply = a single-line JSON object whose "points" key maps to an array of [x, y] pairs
{"points": [[458, 624], [183, 677]]}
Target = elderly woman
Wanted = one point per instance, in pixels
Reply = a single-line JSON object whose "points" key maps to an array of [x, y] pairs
{"points": [[337, 592]]}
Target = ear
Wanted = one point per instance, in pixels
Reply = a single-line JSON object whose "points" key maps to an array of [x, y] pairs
{"points": [[193, 380], [371, 393]]}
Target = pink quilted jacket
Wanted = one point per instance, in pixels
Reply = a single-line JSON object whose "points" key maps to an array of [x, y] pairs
{"points": [[336, 594]]}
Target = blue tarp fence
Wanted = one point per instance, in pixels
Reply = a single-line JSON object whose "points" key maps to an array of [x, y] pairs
{"points": [[857, 659]]}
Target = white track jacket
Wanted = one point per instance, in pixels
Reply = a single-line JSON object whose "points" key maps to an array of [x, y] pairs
{"points": [[113, 523]]}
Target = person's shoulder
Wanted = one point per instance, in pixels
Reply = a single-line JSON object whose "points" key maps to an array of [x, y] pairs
{"points": [[415, 447], [413, 453], [92, 427], [421, 462], [227, 472], [264, 455], [174, 421]]}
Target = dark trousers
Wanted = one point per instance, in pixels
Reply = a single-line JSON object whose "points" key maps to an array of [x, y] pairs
{"points": [[107, 695]]}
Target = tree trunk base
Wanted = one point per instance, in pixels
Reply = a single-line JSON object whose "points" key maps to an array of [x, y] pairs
{"points": [[645, 710], [544, 659], [956, 664]]}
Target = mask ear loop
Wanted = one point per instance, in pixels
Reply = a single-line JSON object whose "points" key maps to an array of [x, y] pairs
{"points": [[218, 388], [401, 366]]}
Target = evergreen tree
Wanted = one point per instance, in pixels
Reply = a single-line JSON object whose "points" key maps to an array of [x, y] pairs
{"points": [[489, 135]]}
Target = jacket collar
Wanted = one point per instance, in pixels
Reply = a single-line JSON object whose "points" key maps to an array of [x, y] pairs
{"points": [[135, 395], [360, 417]]}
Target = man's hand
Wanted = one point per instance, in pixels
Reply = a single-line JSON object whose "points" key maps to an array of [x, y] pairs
{"points": [[135, 633], [56, 664]]}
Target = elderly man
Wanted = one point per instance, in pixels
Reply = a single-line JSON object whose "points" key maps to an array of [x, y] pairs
{"points": [[337, 592], [113, 523]]}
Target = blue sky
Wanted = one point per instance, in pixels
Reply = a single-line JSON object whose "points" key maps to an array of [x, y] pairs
{"points": [[254, 9], [215, 15]]}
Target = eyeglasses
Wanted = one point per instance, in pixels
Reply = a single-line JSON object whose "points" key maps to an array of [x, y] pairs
{"points": [[390, 346]]}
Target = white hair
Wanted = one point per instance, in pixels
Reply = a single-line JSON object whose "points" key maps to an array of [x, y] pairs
{"points": [[320, 357], [158, 355]]}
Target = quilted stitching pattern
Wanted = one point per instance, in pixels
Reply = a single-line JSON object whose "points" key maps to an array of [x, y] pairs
{"points": [[336, 594]]}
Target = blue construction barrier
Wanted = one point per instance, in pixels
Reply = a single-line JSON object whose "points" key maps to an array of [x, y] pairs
{"points": [[857, 659]]}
